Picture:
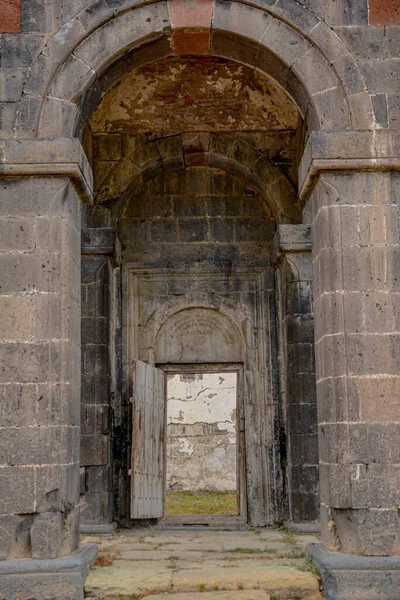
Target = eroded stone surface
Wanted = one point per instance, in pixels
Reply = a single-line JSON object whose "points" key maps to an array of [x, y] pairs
{"points": [[194, 95]]}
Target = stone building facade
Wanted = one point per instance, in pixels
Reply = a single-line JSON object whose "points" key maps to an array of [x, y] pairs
{"points": [[200, 182]]}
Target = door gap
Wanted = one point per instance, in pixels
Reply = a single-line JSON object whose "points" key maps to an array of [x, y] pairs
{"points": [[202, 446]]}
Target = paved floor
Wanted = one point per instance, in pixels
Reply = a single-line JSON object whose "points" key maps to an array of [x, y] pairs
{"points": [[202, 565]]}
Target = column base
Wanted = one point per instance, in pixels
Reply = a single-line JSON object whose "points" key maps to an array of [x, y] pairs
{"points": [[61, 578], [351, 577], [304, 528], [102, 529]]}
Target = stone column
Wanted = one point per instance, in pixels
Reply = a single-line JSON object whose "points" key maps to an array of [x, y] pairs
{"points": [[293, 255], [41, 186], [356, 262]]}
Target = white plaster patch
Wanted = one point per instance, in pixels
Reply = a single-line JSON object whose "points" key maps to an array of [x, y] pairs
{"points": [[186, 446]]}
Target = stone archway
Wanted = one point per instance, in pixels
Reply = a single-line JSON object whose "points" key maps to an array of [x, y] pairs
{"points": [[74, 69], [82, 52]]}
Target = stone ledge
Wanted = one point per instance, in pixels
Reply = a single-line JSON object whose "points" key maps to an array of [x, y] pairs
{"points": [[353, 577], [59, 157], [304, 528], [102, 529], [61, 578], [377, 150]]}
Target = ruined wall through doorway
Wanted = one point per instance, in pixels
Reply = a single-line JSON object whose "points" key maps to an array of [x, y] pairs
{"points": [[202, 431]]}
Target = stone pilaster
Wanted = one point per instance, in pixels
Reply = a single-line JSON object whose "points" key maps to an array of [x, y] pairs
{"points": [[96, 464], [40, 374], [293, 253], [356, 254]]}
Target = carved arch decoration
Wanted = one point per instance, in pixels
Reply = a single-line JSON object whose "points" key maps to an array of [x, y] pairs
{"points": [[198, 335], [73, 71], [237, 325]]}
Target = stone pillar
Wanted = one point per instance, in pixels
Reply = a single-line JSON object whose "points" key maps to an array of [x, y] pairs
{"points": [[356, 262], [293, 254], [96, 461], [40, 374]]}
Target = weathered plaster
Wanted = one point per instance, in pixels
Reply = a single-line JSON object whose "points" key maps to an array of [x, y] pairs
{"points": [[202, 426]]}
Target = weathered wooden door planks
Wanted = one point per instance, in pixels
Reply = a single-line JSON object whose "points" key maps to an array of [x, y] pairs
{"points": [[148, 431]]}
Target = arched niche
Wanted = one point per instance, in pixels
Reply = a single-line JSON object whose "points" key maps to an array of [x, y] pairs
{"points": [[198, 335]]}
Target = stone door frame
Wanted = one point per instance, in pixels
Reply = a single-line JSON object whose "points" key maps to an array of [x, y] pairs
{"points": [[262, 415], [241, 487]]}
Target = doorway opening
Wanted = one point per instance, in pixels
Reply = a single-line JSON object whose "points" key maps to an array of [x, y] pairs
{"points": [[204, 444]]}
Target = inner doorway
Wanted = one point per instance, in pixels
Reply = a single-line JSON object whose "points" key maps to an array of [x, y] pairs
{"points": [[205, 472], [201, 474]]}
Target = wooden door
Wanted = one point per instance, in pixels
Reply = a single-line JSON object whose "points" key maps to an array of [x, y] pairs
{"points": [[148, 433]]}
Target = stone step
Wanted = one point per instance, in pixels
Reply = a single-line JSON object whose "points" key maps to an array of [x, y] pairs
{"points": [[126, 578], [239, 595], [284, 582]]}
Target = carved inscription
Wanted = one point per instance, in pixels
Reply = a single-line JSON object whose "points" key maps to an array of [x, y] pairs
{"points": [[198, 335]]}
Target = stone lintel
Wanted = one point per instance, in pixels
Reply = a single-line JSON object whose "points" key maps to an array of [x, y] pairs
{"points": [[61, 578], [59, 157], [98, 241], [348, 576], [377, 150], [292, 238]]}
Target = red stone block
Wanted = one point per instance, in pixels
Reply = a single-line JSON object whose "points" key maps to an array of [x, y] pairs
{"points": [[10, 16], [189, 42], [197, 13], [384, 12]]}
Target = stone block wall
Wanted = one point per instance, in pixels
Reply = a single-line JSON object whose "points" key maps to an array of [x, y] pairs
{"points": [[196, 215], [202, 432], [40, 374]]}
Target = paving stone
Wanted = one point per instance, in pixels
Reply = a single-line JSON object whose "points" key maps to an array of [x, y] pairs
{"points": [[244, 595]]}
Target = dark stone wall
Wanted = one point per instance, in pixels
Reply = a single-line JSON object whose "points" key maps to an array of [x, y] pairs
{"points": [[96, 472], [301, 398], [196, 215]]}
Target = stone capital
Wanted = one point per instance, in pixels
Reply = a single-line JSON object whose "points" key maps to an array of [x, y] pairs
{"points": [[377, 150], [291, 239], [59, 157]]}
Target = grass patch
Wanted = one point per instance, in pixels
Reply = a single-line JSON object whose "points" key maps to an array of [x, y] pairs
{"points": [[294, 554], [201, 503]]}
